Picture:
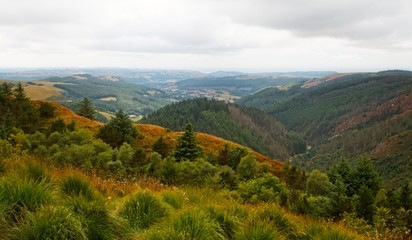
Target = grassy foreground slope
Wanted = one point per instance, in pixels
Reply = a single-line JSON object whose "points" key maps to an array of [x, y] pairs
{"points": [[43, 202]]}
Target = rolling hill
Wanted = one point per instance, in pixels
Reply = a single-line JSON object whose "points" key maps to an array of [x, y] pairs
{"points": [[107, 93], [237, 85], [246, 126], [345, 116]]}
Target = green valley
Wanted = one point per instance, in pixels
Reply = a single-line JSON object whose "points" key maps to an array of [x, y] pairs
{"points": [[347, 116]]}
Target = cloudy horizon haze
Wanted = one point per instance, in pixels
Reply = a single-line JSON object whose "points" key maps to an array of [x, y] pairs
{"points": [[248, 35]]}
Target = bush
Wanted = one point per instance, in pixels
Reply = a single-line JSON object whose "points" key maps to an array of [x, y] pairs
{"points": [[115, 167], [318, 184], [103, 158], [125, 155], [267, 188], [247, 168], [37, 139], [143, 210], [225, 178], [194, 173], [76, 186], [319, 206], [164, 169], [6, 149], [78, 155], [50, 223]]}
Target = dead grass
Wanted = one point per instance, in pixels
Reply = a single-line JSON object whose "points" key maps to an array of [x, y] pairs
{"points": [[35, 92], [209, 144]]}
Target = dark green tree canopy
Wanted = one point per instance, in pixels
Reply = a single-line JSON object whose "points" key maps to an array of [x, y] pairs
{"points": [[161, 147], [86, 109], [187, 148], [118, 130]]}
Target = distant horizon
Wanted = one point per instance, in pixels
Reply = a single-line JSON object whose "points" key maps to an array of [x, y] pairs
{"points": [[206, 70]]}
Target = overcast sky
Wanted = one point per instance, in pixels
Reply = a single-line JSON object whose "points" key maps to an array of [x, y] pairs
{"points": [[275, 35]]}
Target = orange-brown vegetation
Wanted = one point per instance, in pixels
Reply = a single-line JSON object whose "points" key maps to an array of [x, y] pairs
{"points": [[148, 134], [209, 144], [67, 116], [36, 92]]}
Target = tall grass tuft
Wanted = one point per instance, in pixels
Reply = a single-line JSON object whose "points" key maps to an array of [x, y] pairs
{"points": [[50, 223], [332, 234], [3, 167], [195, 224], [230, 224], [258, 229], [278, 218], [174, 199], [18, 195], [76, 186], [36, 172], [313, 230], [98, 221], [143, 210]]}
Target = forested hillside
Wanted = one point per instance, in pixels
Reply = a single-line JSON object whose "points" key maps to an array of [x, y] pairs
{"points": [[246, 126], [347, 116], [266, 98]]}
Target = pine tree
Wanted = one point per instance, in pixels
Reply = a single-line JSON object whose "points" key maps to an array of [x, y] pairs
{"points": [[340, 202], [187, 148], [118, 131], [161, 147], [5, 97], [224, 155], [19, 94], [6, 116], [25, 114], [365, 206], [86, 109], [364, 174]]}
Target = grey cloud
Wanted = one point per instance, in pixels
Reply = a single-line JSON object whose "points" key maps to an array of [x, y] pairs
{"points": [[28, 12], [351, 19], [230, 32]]}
